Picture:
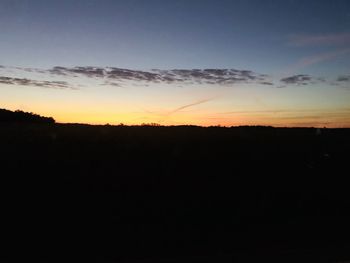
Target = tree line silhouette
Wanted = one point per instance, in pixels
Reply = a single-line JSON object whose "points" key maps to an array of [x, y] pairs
{"points": [[23, 117], [152, 193]]}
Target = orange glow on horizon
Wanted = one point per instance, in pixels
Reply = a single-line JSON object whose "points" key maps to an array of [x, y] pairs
{"points": [[179, 106]]}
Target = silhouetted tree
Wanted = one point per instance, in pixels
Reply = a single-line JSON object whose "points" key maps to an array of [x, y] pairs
{"points": [[23, 117]]}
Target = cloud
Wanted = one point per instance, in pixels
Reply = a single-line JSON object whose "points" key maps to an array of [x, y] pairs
{"points": [[190, 76], [76, 77], [65, 77], [266, 83], [314, 111], [31, 70], [342, 81], [344, 78], [86, 71], [339, 39], [297, 80], [108, 83], [128, 74], [36, 83], [315, 59]]}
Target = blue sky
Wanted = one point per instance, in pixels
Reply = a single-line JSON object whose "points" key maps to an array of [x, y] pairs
{"points": [[164, 34], [279, 38]]}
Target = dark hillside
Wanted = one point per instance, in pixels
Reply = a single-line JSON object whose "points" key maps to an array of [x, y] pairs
{"points": [[23, 117], [175, 194]]}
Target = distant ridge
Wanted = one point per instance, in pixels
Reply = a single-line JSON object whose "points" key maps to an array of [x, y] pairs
{"points": [[23, 117]]}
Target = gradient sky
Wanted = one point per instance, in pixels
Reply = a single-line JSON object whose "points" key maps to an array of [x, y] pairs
{"points": [[248, 62]]}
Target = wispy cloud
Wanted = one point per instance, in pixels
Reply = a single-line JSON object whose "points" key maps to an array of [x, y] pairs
{"points": [[274, 111], [297, 80], [79, 77], [35, 83], [86, 76], [339, 42], [339, 39], [269, 83], [119, 76], [344, 78], [318, 58], [86, 71], [315, 59], [191, 76], [342, 81]]}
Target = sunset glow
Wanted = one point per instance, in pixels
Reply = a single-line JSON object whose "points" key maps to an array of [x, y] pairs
{"points": [[160, 69]]}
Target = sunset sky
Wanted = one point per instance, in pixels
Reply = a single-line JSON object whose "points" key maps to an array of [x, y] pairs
{"points": [[173, 62]]}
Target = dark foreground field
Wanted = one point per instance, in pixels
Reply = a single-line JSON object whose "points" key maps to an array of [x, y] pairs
{"points": [[174, 194]]}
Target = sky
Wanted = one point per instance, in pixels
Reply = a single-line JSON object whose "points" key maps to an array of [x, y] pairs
{"points": [[199, 62]]}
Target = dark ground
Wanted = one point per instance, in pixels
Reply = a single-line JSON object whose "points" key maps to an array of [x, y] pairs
{"points": [[174, 194]]}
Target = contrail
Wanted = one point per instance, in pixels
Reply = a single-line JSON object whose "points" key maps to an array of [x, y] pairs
{"points": [[314, 59], [189, 105], [166, 114]]}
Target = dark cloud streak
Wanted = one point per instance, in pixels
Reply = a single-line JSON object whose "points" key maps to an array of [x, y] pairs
{"points": [[297, 80], [36, 83], [191, 76], [343, 78]]}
